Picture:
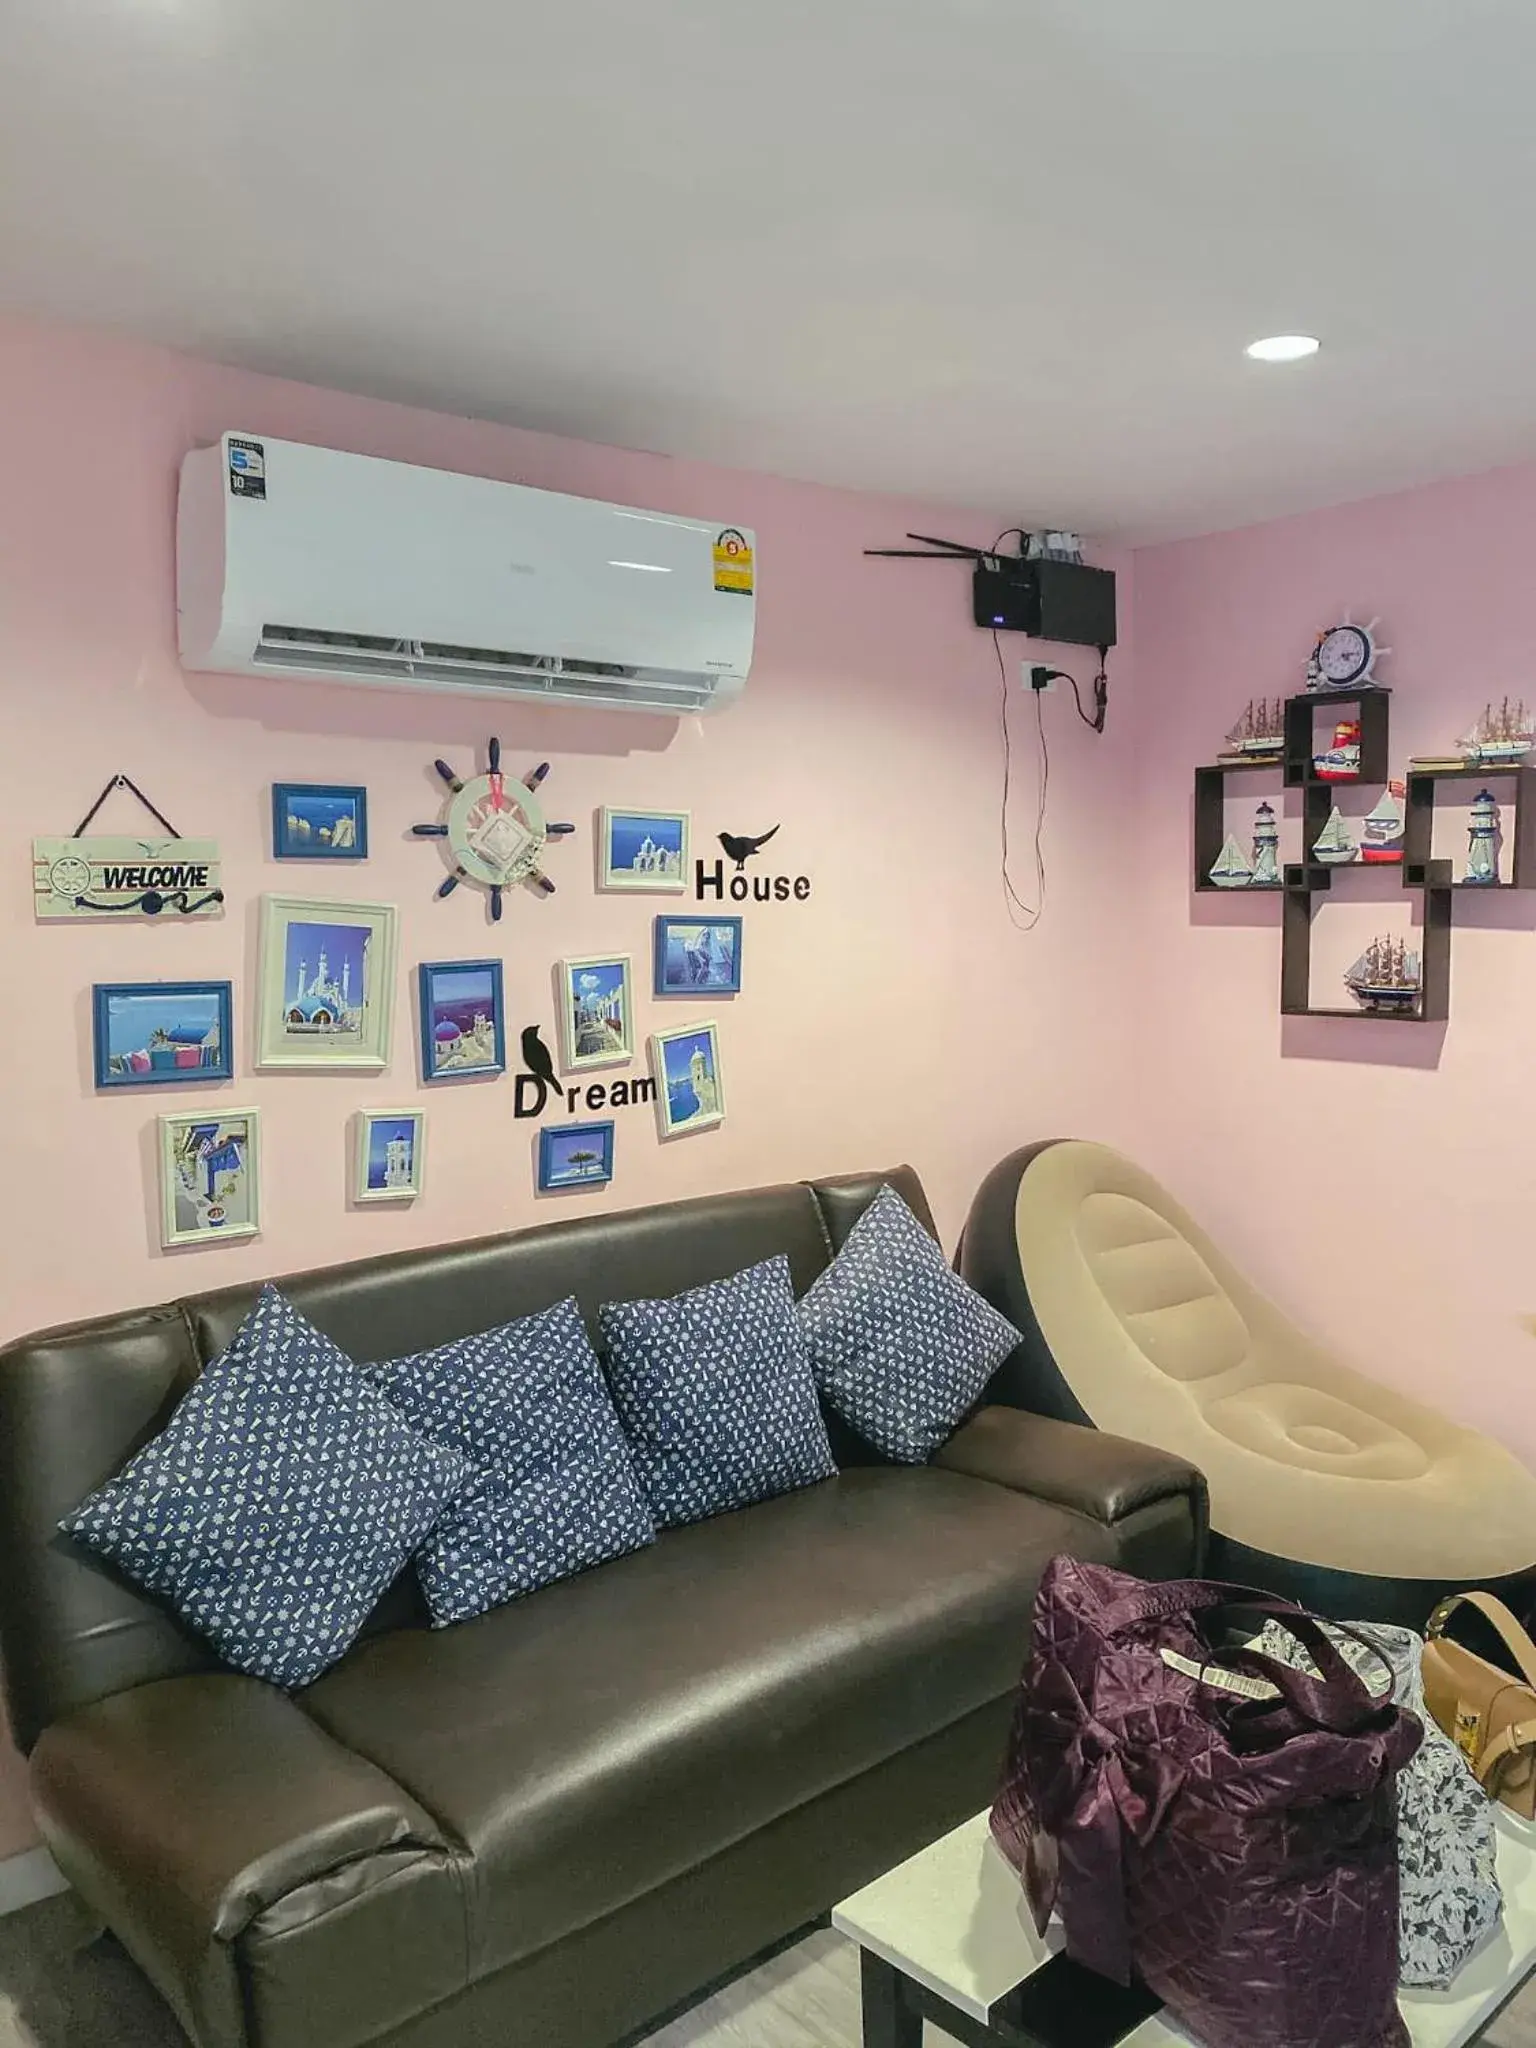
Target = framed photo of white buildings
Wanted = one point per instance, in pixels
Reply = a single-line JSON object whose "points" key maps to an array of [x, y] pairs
{"points": [[643, 850], [210, 1176], [389, 1156], [326, 988], [595, 998]]}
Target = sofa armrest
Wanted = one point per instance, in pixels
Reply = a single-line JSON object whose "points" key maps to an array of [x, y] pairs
{"points": [[1155, 1503], [183, 1809]]}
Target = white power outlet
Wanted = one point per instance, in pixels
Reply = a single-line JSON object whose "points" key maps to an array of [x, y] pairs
{"points": [[1026, 671]]}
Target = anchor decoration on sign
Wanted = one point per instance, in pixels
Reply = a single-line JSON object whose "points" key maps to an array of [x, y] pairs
{"points": [[495, 830], [97, 876]]}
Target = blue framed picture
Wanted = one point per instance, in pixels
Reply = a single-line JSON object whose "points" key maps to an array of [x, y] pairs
{"points": [[146, 1032], [463, 1019], [698, 956], [575, 1156], [319, 821]]}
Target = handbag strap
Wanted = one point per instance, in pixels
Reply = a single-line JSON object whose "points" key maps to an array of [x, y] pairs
{"points": [[1518, 1739], [1512, 1635], [1168, 1597]]}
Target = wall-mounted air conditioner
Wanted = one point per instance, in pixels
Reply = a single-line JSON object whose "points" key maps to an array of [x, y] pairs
{"points": [[294, 560]]}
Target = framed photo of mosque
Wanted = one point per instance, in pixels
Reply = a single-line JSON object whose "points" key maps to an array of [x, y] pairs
{"points": [[690, 1095], [390, 1155], [643, 850], [326, 987], [209, 1176], [595, 1004]]}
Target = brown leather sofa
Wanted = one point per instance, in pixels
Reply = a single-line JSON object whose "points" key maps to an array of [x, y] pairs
{"points": [[541, 1828]]}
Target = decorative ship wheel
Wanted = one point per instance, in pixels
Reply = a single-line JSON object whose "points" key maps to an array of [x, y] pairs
{"points": [[496, 831]]}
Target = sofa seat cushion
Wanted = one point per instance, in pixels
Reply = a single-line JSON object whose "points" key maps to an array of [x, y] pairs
{"points": [[598, 1738]]}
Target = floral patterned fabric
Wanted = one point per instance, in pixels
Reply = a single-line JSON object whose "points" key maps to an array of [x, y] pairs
{"points": [[1449, 1894]]}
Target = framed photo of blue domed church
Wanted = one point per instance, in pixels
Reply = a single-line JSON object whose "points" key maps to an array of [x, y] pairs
{"points": [[463, 1018], [326, 988]]}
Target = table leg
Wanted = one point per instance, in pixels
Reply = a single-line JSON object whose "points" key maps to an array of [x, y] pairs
{"points": [[889, 2021]]}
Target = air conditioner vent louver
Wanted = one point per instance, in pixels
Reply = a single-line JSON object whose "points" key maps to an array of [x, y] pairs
{"points": [[314, 650]]}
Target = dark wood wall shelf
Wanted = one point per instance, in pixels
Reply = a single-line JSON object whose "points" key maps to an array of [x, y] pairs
{"points": [[1369, 706], [1420, 866], [1419, 873]]}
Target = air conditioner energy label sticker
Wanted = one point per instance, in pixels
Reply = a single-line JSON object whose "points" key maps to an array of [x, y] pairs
{"points": [[733, 561], [247, 468]]}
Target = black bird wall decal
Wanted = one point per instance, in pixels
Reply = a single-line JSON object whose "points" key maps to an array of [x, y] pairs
{"points": [[537, 1058], [742, 849]]}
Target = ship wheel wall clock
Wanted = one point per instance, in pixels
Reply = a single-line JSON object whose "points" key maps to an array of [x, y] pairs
{"points": [[496, 831], [1345, 657]]}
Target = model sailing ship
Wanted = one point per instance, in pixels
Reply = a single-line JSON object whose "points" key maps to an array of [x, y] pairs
{"points": [[1501, 738], [1385, 980], [1259, 735]]}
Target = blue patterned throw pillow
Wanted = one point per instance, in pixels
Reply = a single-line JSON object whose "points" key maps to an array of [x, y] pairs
{"points": [[901, 1346], [715, 1393], [555, 1489], [277, 1504]]}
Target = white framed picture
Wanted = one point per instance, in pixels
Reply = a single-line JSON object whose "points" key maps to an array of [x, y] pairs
{"points": [[389, 1155], [643, 850], [690, 1095], [210, 1176], [326, 987], [595, 1000]]}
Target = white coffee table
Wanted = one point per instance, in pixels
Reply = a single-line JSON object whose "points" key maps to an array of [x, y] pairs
{"points": [[946, 1936]]}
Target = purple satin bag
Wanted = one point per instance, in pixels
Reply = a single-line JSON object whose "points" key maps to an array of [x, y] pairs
{"points": [[1237, 1855]]}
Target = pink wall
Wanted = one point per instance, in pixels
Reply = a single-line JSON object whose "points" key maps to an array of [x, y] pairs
{"points": [[1377, 1178], [897, 1015]]}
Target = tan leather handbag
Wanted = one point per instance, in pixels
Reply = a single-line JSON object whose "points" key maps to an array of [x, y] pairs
{"points": [[1488, 1713]]}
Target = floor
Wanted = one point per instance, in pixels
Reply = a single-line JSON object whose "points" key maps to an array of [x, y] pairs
{"points": [[60, 1990]]}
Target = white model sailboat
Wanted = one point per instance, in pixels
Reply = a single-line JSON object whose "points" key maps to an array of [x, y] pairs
{"points": [[1231, 869], [1333, 845]]}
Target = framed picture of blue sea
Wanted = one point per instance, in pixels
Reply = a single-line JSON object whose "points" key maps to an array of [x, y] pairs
{"points": [[319, 821], [698, 956], [463, 1018], [690, 1095], [643, 850], [575, 1156], [147, 1032], [390, 1155]]}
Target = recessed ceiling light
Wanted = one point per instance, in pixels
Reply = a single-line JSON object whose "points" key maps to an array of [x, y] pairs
{"points": [[1283, 348]]}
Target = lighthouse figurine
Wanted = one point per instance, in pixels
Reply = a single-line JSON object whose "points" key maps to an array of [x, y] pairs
{"points": [[1483, 841], [1266, 849]]}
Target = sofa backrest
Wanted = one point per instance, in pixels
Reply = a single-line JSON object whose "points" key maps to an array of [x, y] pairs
{"points": [[77, 1402]]}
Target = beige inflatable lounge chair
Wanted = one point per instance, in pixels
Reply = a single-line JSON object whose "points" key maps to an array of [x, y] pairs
{"points": [[1325, 1486]]}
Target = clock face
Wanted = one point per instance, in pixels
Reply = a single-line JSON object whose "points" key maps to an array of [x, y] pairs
{"points": [[1344, 654]]}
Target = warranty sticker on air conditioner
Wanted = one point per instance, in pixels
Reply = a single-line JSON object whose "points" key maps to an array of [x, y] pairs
{"points": [[733, 561]]}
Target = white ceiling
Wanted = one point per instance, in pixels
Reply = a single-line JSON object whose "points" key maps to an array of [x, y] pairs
{"points": [[1000, 252]]}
